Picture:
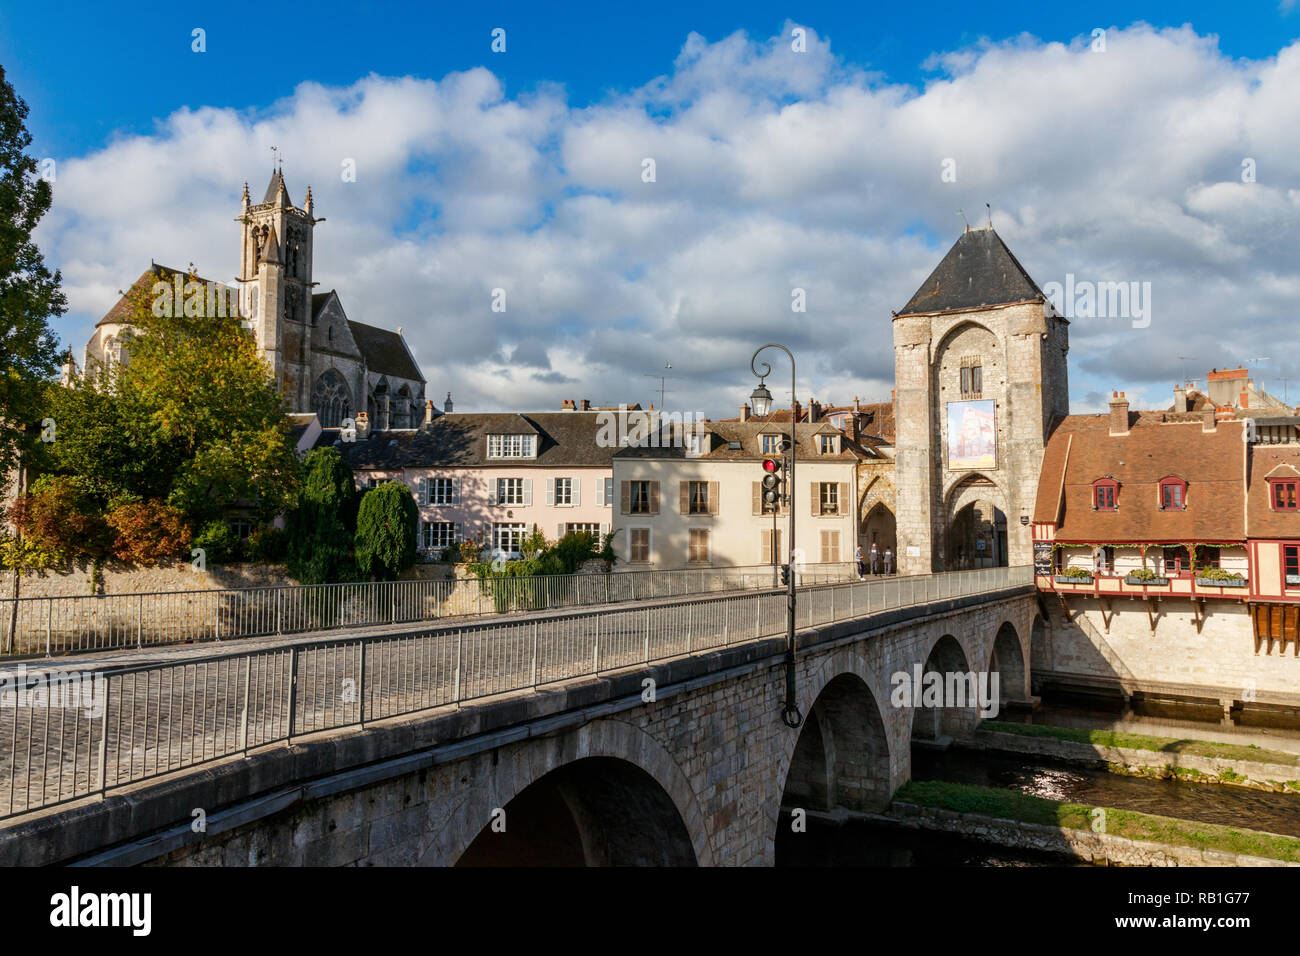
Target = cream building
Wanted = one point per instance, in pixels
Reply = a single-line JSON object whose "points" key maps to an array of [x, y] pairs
{"points": [[698, 503]]}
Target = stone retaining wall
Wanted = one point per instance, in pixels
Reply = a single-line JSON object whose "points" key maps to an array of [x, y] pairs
{"points": [[1100, 848], [1256, 774]]}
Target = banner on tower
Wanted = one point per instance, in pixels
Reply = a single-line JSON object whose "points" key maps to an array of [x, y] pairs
{"points": [[972, 435]]}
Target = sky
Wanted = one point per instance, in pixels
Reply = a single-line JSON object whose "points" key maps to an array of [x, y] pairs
{"points": [[1155, 145]]}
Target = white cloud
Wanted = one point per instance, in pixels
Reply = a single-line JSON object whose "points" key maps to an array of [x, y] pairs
{"points": [[775, 169]]}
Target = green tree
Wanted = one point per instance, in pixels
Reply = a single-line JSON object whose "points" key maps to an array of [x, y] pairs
{"points": [[29, 292], [319, 527], [386, 530]]}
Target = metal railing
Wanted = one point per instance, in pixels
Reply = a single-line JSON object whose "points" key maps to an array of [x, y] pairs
{"points": [[58, 625], [89, 733]]}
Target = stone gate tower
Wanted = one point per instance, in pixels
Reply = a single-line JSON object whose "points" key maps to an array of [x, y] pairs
{"points": [[980, 381], [275, 268]]}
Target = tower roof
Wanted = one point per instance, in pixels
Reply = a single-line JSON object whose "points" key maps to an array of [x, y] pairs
{"points": [[274, 186], [271, 248], [978, 271]]}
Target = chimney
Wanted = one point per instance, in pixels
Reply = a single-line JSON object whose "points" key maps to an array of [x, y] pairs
{"points": [[363, 426], [891, 396], [744, 412], [855, 426], [1245, 399], [856, 406], [1180, 399], [814, 411], [428, 412], [1208, 417], [586, 405], [567, 406], [1118, 414], [446, 406], [797, 411]]}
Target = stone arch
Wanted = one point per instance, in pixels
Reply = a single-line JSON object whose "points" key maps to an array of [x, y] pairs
{"points": [[1040, 646], [1007, 658], [975, 523], [595, 811], [532, 760], [331, 399], [947, 658]]}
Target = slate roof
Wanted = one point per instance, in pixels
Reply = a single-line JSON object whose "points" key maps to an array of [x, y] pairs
{"points": [[459, 440], [273, 187], [385, 352], [747, 433], [121, 311], [1082, 450], [978, 271]]}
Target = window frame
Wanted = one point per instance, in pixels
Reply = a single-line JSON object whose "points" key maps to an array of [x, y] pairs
{"points": [[568, 492], [1290, 557], [427, 529], [833, 498], [1275, 485], [697, 498], [503, 446], [514, 501], [692, 536], [511, 528], [769, 444], [1176, 484], [1105, 494], [826, 444]]}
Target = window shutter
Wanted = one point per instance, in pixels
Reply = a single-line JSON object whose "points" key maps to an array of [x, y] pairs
{"points": [[625, 505], [714, 491], [842, 506], [559, 531], [766, 547], [459, 534], [500, 485], [422, 493], [576, 491], [684, 497], [455, 491], [600, 492], [654, 497], [815, 495], [550, 492], [528, 492], [604, 530], [608, 485], [835, 547], [758, 497]]}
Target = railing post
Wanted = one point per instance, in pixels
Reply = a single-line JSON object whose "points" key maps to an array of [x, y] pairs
{"points": [[277, 610], [243, 714], [49, 625], [535, 627], [646, 641], [293, 689], [361, 682], [455, 687], [103, 737], [595, 651], [216, 616]]}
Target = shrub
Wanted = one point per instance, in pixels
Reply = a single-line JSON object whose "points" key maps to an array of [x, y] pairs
{"points": [[319, 527], [147, 531], [1080, 573], [218, 541], [1143, 574], [386, 529], [267, 545], [60, 520], [1218, 574]]}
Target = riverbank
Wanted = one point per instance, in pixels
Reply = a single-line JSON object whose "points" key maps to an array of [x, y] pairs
{"points": [[1096, 834], [1199, 761]]}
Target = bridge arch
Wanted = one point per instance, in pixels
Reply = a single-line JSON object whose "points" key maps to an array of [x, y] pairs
{"points": [[530, 761], [1007, 658], [597, 811], [947, 658]]}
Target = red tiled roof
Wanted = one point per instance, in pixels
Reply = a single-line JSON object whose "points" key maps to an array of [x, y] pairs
{"points": [[1081, 450], [1271, 461]]}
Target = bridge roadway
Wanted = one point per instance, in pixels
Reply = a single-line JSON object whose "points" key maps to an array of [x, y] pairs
{"points": [[161, 710]]}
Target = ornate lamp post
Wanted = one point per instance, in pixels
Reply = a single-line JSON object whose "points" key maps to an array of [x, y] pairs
{"points": [[761, 401]]}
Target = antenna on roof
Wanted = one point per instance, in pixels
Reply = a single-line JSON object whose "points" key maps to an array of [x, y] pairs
{"points": [[963, 219], [662, 379], [1184, 359]]}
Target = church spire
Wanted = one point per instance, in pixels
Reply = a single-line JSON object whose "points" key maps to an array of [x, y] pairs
{"points": [[307, 205]]}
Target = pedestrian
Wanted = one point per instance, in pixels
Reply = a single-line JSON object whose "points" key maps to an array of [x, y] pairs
{"points": [[857, 560], [875, 559], [889, 560]]}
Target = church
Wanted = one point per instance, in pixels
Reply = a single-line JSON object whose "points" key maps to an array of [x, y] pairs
{"points": [[324, 362]]}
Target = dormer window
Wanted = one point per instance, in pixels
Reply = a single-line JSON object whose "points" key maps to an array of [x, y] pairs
{"points": [[1173, 494], [1105, 494], [770, 444], [512, 446], [1282, 494], [826, 444]]}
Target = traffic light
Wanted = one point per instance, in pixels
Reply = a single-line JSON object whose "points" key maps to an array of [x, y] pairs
{"points": [[771, 482], [785, 574]]}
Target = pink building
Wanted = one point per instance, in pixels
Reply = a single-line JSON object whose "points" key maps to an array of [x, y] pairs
{"points": [[494, 478]]}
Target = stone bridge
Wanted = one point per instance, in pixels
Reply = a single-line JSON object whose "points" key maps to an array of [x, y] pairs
{"points": [[684, 761]]}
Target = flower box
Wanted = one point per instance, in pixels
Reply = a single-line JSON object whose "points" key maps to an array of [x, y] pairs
{"points": [[1067, 579], [1216, 583], [1148, 582]]}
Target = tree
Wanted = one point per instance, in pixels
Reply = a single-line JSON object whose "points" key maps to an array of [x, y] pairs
{"points": [[319, 527], [29, 292], [386, 531]]}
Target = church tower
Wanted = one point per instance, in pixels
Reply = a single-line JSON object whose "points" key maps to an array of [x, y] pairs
{"points": [[275, 269], [980, 379]]}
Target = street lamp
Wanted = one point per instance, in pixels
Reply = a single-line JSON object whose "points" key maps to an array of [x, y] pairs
{"points": [[761, 399]]}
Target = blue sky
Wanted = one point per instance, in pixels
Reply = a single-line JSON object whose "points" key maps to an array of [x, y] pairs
{"points": [[517, 170]]}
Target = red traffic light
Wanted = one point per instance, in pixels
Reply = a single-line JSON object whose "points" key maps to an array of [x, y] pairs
{"points": [[770, 465]]}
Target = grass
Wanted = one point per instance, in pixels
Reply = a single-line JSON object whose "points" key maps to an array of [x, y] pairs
{"points": [[1110, 738], [1012, 805]]}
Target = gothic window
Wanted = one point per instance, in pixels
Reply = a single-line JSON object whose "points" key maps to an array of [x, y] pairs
{"points": [[331, 399]]}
